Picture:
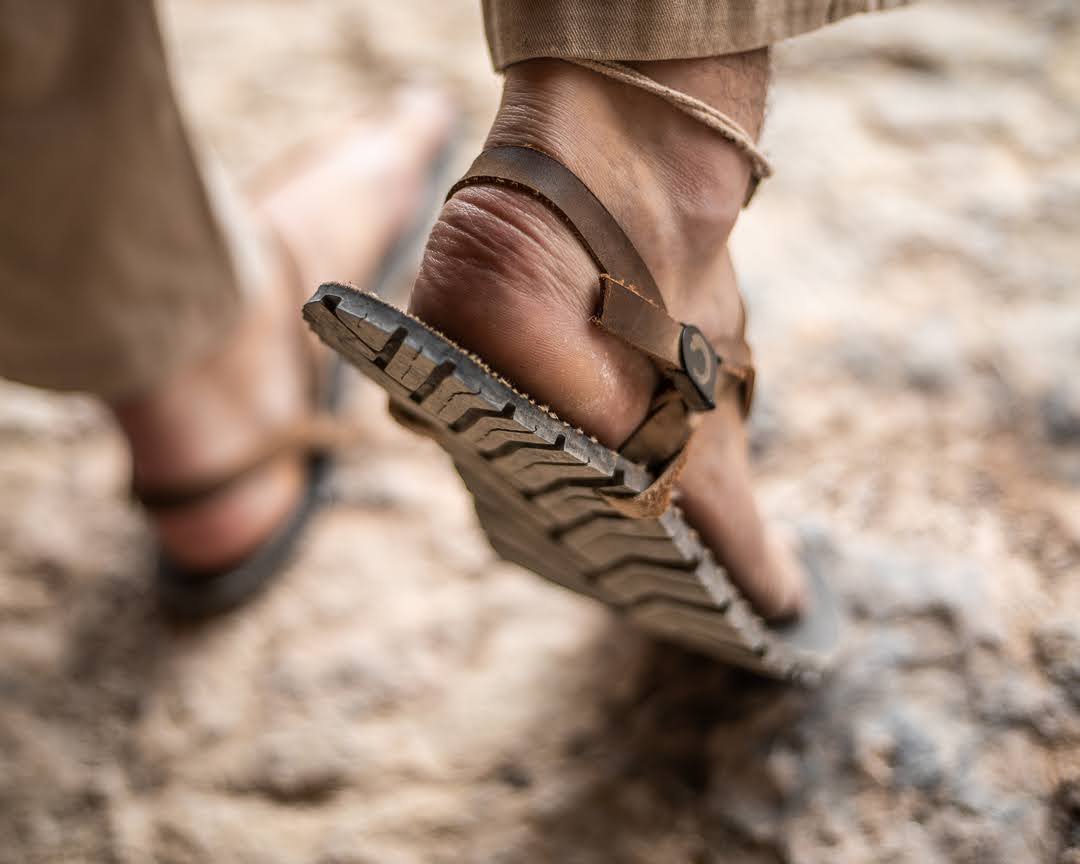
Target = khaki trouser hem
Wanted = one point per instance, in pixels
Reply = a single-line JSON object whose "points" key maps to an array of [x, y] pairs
{"points": [[520, 30], [116, 265], [126, 363]]}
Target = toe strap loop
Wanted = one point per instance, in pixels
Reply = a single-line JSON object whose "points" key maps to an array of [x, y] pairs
{"points": [[654, 500]]}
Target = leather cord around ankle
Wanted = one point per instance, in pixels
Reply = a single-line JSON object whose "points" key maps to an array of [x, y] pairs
{"points": [[703, 112]]}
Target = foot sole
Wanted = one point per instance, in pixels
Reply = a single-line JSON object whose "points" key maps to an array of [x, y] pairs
{"points": [[543, 490]]}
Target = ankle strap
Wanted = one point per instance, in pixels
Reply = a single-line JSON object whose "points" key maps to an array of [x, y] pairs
{"points": [[631, 305], [529, 170]]}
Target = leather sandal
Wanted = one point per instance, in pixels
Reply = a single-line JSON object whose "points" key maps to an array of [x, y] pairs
{"points": [[550, 497], [184, 592], [187, 593]]}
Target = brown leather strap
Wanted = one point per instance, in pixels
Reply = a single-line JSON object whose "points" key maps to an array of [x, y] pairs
{"points": [[680, 351], [530, 170], [638, 321], [631, 305]]}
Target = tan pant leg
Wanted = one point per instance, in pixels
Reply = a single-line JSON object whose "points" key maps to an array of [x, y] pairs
{"points": [[652, 29], [113, 267]]}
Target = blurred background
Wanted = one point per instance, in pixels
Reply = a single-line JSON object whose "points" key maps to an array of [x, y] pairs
{"points": [[913, 273]]}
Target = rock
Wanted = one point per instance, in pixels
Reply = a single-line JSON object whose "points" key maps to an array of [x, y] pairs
{"points": [[1066, 819], [866, 357], [931, 360], [917, 760], [513, 775], [1017, 700], [1061, 411], [968, 841], [303, 765], [26, 412], [766, 423], [1057, 647], [888, 584]]}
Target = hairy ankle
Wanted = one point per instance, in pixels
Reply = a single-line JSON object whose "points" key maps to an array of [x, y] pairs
{"points": [[686, 182]]}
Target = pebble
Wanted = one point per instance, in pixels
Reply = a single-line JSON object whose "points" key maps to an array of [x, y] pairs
{"points": [[1057, 647], [400, 698], [1061, 411]]}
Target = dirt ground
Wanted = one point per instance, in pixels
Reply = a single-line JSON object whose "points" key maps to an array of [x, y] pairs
{"points": [[913, 272]]}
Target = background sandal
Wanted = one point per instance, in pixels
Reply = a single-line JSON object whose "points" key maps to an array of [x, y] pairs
{"points": [[188, 593]]}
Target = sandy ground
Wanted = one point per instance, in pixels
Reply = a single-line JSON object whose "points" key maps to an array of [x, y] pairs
{"points": [[914, 277]]}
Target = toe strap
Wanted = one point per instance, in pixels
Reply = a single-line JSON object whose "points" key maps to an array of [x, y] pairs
{"points": [[655, 499]]}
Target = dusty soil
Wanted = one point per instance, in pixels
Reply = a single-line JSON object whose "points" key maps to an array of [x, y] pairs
{"points": [[401, 696]]}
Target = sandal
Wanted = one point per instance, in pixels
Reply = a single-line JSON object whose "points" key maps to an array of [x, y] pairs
{"points": [[550, 497], [186, 593]]}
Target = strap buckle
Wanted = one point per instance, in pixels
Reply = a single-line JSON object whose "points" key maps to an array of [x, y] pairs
{"points": [[699, 369], [702, 365]]}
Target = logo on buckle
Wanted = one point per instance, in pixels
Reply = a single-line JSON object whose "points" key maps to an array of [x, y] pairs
{"points": [[699, 363]]}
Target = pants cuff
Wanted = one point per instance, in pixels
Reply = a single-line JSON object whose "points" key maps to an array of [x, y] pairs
{"points": [[653, 29]]}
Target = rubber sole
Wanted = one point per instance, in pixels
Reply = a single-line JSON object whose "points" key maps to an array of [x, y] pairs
{"points": [[542, 491]]}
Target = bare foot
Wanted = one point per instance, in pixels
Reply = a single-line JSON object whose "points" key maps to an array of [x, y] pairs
{"points": [[337, 213], [503, 277]]}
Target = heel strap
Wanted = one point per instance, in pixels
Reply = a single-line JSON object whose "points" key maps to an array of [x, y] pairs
{"points": [[529, 170], [631, 304], [315, 437]]}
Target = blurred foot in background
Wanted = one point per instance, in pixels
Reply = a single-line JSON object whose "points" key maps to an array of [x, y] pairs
{"points": [[129, 271], [331, 212]]}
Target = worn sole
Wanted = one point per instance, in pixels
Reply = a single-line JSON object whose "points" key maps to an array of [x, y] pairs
{"points": [[543, 493]]}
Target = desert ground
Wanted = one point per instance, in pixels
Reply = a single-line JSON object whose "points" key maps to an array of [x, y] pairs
{"points": [[402, 697]]}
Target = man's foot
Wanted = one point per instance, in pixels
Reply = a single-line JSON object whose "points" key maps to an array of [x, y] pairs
{"points": [[504, 278], [336, 213]]}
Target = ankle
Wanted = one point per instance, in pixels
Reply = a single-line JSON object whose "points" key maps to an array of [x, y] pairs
{"points": [[675, 186], [688, 183]]}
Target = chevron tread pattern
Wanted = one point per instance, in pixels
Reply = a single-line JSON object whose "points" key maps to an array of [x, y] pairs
{"points": [[542, 489]]}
